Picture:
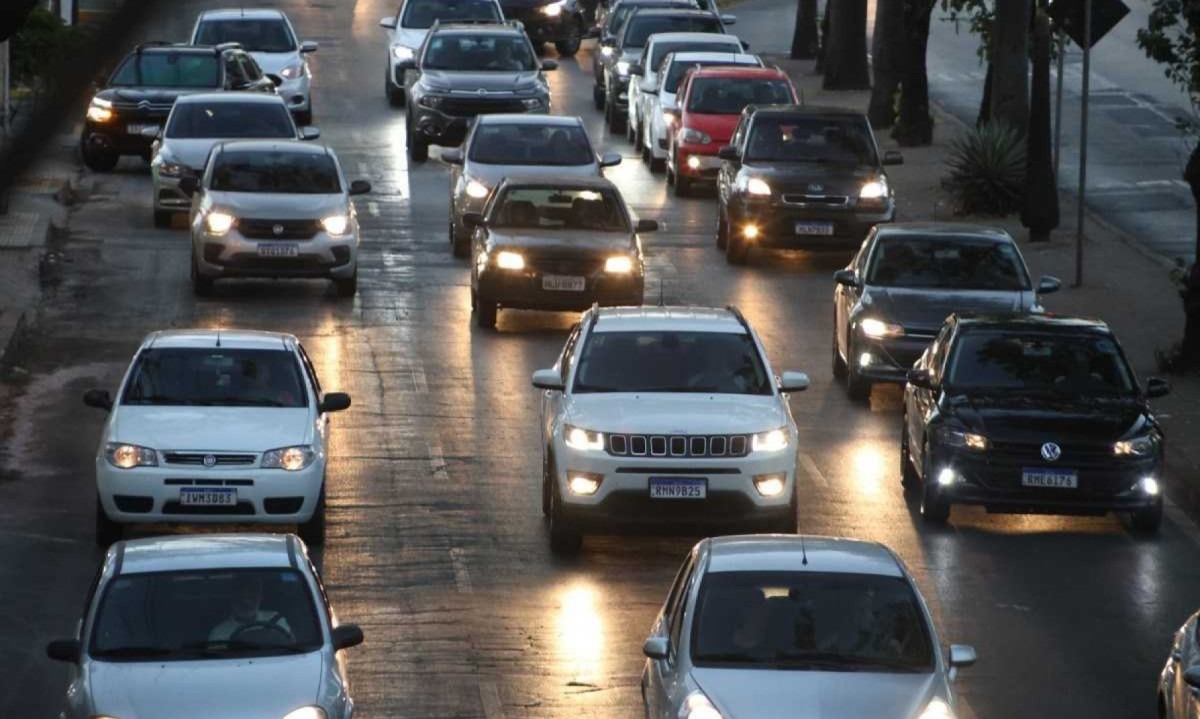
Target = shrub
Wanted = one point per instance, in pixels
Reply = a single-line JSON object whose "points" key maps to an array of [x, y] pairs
{"points": [[987, 171], [40, 47]]}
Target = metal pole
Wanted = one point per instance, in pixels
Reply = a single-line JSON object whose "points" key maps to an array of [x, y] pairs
{"points": [[5, 96], [1062, 48], [1083, 139]]}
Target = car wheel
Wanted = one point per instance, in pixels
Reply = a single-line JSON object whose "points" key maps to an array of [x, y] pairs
{"points": [[304, 117], [839, 364], [107, 531], [598, 97], [163, 218], [548, 472], [722, 228], [348, 286], [934, 508], [1147, 521], [395, 95], [736, 250], [485, 313], [908, 473], [570, 46], [858, 388], [683, 185], [313, 531], [99, 160], [459, 246], [564, 540], [201, 286], [616, 121]]}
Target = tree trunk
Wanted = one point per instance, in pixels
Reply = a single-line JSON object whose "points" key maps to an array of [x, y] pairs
{"points": [[846, 56], [822, 51], [1190, 347], [914, 126], [805, 42], [985, 104], [888, 52], [1040, 209], [1010, 63]]}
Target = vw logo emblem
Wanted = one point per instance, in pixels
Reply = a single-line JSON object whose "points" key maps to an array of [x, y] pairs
{"points": [[277, 230], [210, 460], [1051, 452], [816, 187]]}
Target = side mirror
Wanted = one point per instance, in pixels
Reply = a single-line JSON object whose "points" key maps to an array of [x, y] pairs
{"points": [[64, 650], [359, 187], [150, 132], [793, 382], [893, 157], [637, 69], [729, 152], [548, 65], [646, 226], [472, 219], [311, 45], [408, 63], [98, 398], [346, 636], [1157, 387], [548, 379], [188, 185], [308, 132], [608, 159], [388, 23], [847, 278], [656, 647], [960, 656], [745, 45], [334, 402], [920, 377], [452, 156], [275, 79], [729, 19], [1048, 285]]}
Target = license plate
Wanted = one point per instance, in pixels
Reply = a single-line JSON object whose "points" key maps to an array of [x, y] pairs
{"points": [[676, 488], [208, 496], [814, 228], [279, 249], [562, 283], [1055, 478], [139, 129]]}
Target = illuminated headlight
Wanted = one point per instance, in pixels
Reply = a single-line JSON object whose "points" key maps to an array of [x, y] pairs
{"points": [[336, 225], [553, 9], [1142, 446], [770, 485], [606, 51], [168, 168], [533, 103], [510, 261], [292, 459], [937, 709], [432, 101], [477, 189], [218, 223], [291, 72], [1150, 486], [619, 265], [100, 110], [874, 190], [128, 456], [579, 438], [698, 706], [965, 440], [307, 713], [583, 484], [693, 162], [757, 186], [622, 67], [946, 477], [401, 52], [695, 137], [771, 441], [878, 329], [750, 232]]}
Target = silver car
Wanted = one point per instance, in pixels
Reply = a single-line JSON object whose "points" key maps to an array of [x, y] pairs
{"points": [[1179, 681], [773, 626], [274, 209], [196, 124], [528, 145]]}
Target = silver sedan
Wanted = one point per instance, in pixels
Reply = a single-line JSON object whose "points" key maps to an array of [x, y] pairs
{"points": [[1179, 682]]}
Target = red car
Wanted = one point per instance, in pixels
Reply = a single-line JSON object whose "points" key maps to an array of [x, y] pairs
{"points": [[712, 100]]}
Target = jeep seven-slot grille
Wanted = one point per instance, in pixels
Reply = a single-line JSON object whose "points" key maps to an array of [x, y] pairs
{"points": [[678, 445]]}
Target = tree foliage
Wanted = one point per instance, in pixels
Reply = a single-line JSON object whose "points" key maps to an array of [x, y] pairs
{"points": [[40, 47], [1172, 37]]}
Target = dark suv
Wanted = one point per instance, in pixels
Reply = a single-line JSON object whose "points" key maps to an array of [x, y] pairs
{"points": [[465, 70], [128, 112], [562, 22], [803, 177]]}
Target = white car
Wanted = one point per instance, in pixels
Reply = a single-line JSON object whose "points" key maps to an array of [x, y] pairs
{"points": [[775, 627], [1179, 681], [269, 37], [217, 625], [214, 426], [406, 32], [665, 419]]}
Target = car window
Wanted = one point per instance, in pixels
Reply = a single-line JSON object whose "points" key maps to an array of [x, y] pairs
{"points": [[310, 370], [205, 614], [731, 95], [672, 604], [214, 376], [678, 69], [949, 263], [235, 76], [1038, 363], [302, 173], [421, 14], [544, 208], [681, 608], [671, 361], [661, 49], [810, 620], [530, 144], [567, 359], [250, 68], [224, 120], [811, 139], [640, 27], [255, 35], [479, 53], [165, 69]]}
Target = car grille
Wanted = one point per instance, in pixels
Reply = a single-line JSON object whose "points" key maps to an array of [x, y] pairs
{"points": [[288, 229], [197, 459], [576, 265], [816, 200], [472, 106], [1074, 456], [678, 445]]}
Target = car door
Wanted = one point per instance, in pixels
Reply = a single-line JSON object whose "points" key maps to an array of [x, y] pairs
{"points": [[729, 168], [311, 375], [657, 688], [922, 402], [845, 298]]}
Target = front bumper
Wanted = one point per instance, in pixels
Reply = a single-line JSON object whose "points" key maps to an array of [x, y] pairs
{"points": [[297, 93], [233, 255], [448, 129], [887, 360], [523, 290], [114, 136], [778, 223], [698, 162]]}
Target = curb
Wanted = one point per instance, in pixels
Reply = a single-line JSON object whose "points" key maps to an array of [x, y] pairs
{"points": [[13, 341]]}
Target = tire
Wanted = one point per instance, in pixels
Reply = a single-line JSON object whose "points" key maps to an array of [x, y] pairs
{"points": [[598, 97], [564, 540], [736, 250], [485, 313], [908, 473], [347, 287], [615, 120], [548, 472], [395, 95], [683, 185], [934, 509], [570, 46], [657, 164], [1147, 521], [164, 218], [839, 364], [107, 531], [304, 118], [858, 388], [201, 286], [313, 531], [99, 160], [722, 229], [459, 246]]}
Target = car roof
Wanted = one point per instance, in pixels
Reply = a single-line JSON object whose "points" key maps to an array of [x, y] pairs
{"points": [[259, 98], [176, 47], [667, 318], [578, 181], [800, 553], [945, 229], [804, 110], [204, 551], [520, 118], [739, 58], [1026, 321], [297, 146], [747, 72], [233, 339], [242, 13], [694, 37], [671, 11], [479, 27]]}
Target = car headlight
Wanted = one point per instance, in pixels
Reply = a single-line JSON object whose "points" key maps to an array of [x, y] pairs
{"points": [[1142, 446], [696, 137], [477, 189], [218, 223], [533, 103], [292, 459], [169, 168], [553, 9], [401, 52], [336, 225], [510, 261], [937, 709], [432, 101], [307, 713], [100, 110], [128, 456], [874, 190], [579, 438], [770, 441], [618, 265], [878, 329], [698, 706], [622, 67], [756, 186], [606, 50], [291, 72], [963, 439]]}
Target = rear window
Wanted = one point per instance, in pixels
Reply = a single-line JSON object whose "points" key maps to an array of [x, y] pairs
{"points": [[640, 28], [224, 120], [524, 144], [300, 173], [168, 69], [258, 35], [730, 44], [421, 14], [729, 95]]}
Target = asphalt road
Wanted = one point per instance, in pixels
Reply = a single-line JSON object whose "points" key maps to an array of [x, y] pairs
{"points": [[436, 542]]}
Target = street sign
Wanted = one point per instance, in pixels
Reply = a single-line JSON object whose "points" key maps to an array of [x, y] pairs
{"points": [[1068, 17]]}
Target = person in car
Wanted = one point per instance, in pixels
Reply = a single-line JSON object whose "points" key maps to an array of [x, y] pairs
{"points": [[245, 614]]}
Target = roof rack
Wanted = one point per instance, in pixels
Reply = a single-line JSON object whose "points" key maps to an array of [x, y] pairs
{"points": [[595, 309], [151, 43], [733, 310], [223, 46]]}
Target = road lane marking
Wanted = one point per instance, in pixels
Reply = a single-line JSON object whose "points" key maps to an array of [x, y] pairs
{"points": [[462, 577], [489, 699], [810, 468], [373, 209], [419, 382], [437, 464]]}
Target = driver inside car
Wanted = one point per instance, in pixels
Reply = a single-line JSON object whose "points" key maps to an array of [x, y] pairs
{"points": [[247, 618]]}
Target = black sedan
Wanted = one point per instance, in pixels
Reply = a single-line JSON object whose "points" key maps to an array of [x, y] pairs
{"points": [[1031, 414], [562, 22], [554, 244]]}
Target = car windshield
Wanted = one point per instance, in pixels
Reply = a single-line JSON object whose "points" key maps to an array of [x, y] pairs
{"points": [[730, 95], [1038, 363], [421, 14], [544, 208], [662, 49], [215, 376], [205, 614], [168, 69], [811, 139], [254, 35], [641, 27], [222, 120], [948, 263], [810, 621], [479, 53], [296, 173], [671, 361], [530, 144], [678, 68]]}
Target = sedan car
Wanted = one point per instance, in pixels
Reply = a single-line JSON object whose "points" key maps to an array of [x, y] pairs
{"points": [[892, 299], [1179, 680], [213, 426], [274, 209], [561, 22], [218, 625], [407, 29], [1032, 414], [779, 626], [501, 145], [609, 21]]}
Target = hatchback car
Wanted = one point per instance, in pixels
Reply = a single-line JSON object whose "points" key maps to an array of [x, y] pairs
{"points": [[1031, 414], [228, 625], [1179, 680], [274, 209], [782, 626], [407, 29], [213, 426]]}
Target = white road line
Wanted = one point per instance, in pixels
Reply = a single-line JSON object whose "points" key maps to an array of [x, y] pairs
{"points": [[489, 699], [38, 537], [810, 468], [419, 382], [462, 577], [373, 209], [437, 463], [1157, 183]]}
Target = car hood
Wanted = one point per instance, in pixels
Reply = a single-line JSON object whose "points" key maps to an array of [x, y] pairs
{"points": [[660, 413], [154, 95], [279, 206], [215, 429], [491, 175], [834, 178], [205, 689], [785, 694], [718, 127], [272, 62], [519, 82], [560, 242], [193, 152], [409, 37], [924, 310], [1038, 418]]}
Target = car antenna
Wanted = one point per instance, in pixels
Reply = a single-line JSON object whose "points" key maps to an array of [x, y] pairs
{"points": [[803, 552], [661, 301], [218, 336]]}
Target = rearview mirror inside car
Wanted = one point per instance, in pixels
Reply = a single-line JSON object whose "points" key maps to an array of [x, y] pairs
{"points": [[647, 226], [360, 187], [98, 398], [335, 402], [893, 157], [308, 132], [729, 152], [188, 185]]}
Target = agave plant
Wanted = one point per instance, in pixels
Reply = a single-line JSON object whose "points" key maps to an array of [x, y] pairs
{"points": [[987, 171]]}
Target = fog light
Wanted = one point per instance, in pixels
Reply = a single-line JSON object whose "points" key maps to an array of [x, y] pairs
{"points": [[946, 477], [694, 162], [582, 484], [866, 359], [770, 485], [510, 261], [1150, 486], [750, 231]]}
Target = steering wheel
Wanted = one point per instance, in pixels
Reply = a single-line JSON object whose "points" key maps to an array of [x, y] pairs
{"points": [[269, 626]]}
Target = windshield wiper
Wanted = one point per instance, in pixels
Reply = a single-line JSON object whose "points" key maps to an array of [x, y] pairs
{"points": [[842, 662], [247, 402], [132, 652], [164, 399], [220, 646]]}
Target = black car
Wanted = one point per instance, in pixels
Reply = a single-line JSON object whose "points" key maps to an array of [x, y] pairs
{"points": [[1032, 414], [562, 22], [466, 70], [555, 244], [129, 110], [609, 19], [803, 177]]}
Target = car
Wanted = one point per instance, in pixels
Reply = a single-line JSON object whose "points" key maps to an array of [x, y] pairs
{"points": [[234, 625], [133, 102], [196, 124], [1031, 413], [801, 176], [214, 426], [469, 70], [891, 300], [608, 22], [268, 36], [407, 29], [629, 43], [1179, 680], [501, 145], [562, 23], [555, 243], [775, 626], [711, 102], [666, 419], [273, 208]]}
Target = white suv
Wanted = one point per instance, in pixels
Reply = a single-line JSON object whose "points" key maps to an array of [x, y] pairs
{"points": [[666, 419]]}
